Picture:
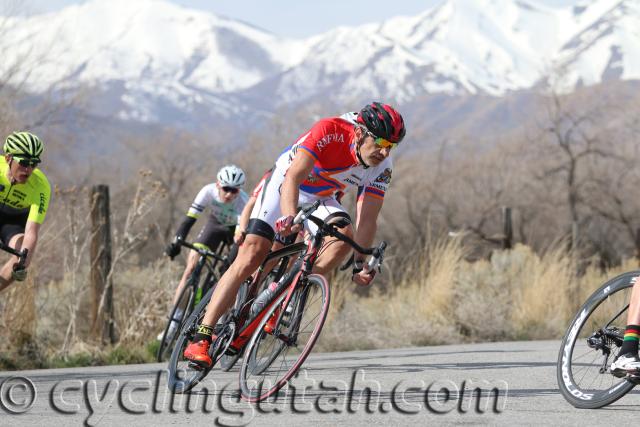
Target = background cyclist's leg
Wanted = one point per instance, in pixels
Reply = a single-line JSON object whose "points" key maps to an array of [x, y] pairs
{"points": [[15, 241]]}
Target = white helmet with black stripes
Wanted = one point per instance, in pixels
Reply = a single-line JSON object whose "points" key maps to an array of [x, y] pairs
{"points": [[231, 176]]}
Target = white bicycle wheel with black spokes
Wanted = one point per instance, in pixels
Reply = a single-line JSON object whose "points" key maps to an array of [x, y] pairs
{"points": [[272, 358], [592, 343]]}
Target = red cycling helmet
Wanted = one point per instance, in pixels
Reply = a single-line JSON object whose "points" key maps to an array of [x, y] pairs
{"points": [[383, 121]]}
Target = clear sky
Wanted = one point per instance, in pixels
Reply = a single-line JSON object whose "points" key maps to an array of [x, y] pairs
{"points": [[291, 18]]}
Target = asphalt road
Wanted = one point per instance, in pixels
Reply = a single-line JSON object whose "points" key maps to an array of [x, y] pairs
{"points": [[411, 386]]}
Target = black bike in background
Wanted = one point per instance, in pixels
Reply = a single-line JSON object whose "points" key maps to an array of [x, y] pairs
{"points": [[213, 264]]}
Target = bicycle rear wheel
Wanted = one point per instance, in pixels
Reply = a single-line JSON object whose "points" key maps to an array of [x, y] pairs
{"points": [[591, 344], [271, 359], [183, 305]]}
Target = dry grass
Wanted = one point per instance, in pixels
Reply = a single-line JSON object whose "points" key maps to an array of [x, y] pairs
{"points": [[441, 298]]}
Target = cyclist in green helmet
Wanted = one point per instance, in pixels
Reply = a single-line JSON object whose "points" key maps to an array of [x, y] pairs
{"points": [[24, 200]]}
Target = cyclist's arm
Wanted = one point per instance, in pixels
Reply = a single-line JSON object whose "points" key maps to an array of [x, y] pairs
{"points": [[367, 209], [30, 239], [300, 168], [202, 200]]}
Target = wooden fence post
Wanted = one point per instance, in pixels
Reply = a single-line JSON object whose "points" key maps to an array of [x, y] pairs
{"points": [[507, 228], [101, 285]]}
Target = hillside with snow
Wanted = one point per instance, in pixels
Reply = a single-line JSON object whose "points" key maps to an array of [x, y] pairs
{"points": [[151, 61]]}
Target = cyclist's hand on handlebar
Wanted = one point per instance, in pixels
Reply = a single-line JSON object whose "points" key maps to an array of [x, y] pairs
{"points": [[172, 250], [19, 274], [284, 225], [361, 276]]}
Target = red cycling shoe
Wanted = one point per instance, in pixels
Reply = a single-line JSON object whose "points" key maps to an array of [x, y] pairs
{"points": [[198, 353]]}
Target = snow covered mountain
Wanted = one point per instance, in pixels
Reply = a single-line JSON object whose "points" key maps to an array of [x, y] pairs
{"points": [[152, 61]]}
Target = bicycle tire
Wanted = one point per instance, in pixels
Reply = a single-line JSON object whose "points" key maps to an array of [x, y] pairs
{"points": [[592, 342], [313, 294], [277, 349], [185, 302], [176, 382]]}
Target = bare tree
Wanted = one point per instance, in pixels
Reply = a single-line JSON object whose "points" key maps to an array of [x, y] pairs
{"points": [[571, 140]]}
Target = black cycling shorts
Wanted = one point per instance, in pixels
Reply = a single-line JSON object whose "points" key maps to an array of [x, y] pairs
{"points": [[10, 225], [213, 233]]}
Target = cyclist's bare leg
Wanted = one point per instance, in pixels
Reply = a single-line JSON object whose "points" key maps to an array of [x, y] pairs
{"points": [[333, 252], [5, 272], [633, 316], [192, 260], [250, 255]]}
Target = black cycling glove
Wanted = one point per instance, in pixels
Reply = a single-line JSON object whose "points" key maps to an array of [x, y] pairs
{"points": [[173, 248]]}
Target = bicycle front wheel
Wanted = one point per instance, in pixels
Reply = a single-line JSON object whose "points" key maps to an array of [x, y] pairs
{"points": [[592, 343], [276, 352]]}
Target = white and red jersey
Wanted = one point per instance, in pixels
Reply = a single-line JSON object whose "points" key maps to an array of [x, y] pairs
{"points": [[331, 144]]}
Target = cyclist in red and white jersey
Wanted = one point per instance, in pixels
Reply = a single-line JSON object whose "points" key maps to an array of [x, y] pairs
{"points": [[352, 150]]}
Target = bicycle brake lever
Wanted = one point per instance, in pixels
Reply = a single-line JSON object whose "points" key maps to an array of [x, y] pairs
{"points": [[377, 258]]}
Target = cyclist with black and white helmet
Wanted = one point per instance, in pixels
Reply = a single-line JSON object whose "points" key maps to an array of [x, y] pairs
{"points": [[336, 153], [24, 200], [225, 200]]}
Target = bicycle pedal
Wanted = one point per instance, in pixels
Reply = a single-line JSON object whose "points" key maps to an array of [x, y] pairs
{"points": [[195, 366]]}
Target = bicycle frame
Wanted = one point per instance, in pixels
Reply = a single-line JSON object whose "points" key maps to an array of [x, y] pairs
{"points": [[252, 322], [309, 252]]}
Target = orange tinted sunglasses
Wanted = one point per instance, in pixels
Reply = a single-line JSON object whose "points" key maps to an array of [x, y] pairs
{"points": [[381, 142]]}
